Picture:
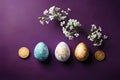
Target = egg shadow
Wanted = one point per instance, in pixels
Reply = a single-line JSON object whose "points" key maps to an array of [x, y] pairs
{"points": [[69, 61], [89, 61], [47, 61]]}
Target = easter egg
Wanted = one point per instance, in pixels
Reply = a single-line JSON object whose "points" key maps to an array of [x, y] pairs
{"points": [[81, 52], [62, 52], [41, 51]]}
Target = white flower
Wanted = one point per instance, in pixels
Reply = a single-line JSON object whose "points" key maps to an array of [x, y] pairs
{"points": [[52, 10], [45, 12], [62, 23], [76, 34], [98, 44], [95, 44], [93, 27], [71, 28], [47, 22], [51, 17], [67, 34], [68, 9], [96, 35], [67, 26], [64, 12], [90, 38], [77, 24], [71, 37], [63, 29], [69, 22], [58, 15], [42, 22], [73, 22], [99, 35], [57, 8], [101, 41], [100, 29], [63, 18], [105, 37]]}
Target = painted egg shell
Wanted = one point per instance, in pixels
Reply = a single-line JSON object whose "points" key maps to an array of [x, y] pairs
{"points": [[81, 52], [62, 52], [41, 51]]}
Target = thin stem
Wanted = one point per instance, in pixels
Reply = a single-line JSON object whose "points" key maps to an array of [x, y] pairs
{"points": [[83, 30]]}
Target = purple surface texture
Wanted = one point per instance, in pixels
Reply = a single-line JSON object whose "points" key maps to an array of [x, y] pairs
{"points": [[19, 26]]}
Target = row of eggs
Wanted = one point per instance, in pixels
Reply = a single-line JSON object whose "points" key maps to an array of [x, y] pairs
{"points": [[62, 52]]}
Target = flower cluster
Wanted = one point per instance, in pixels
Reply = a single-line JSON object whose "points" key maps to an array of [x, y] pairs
{"points": [[53, 13], [95, 35], [70, 28]]}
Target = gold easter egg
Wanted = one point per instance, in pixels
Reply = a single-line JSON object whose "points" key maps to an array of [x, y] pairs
{"points": [[99, 55], [81, 52]]}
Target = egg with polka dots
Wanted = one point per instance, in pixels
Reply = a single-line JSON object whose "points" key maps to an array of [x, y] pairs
{"points": [[62, 52], [41, 51]]}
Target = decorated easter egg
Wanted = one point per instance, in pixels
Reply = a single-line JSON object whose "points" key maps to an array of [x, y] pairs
{"points": [[41, 51], [81, 52], [62, 52]]}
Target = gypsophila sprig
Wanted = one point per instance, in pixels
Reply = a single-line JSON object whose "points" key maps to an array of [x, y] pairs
{"points": [[72, 28], [95, 35], [53, 13]]}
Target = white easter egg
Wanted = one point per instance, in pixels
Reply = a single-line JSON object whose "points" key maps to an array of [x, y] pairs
{"points": [[62, 52]]}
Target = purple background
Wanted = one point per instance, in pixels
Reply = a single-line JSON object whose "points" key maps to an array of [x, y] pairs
{"points": [[19, 27]]}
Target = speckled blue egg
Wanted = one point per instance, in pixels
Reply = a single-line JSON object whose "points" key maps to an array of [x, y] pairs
{"points": [[41, 51]]}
